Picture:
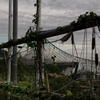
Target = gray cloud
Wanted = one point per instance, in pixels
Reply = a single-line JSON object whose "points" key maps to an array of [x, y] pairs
{"points": [[54, 13]]}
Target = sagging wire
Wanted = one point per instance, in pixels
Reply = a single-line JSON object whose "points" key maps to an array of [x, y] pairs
{"points": [[53, 52], [26, 51], [10, 56], [67, 85], [53, 41], [64, 39], [18, 51], [6, 57]]}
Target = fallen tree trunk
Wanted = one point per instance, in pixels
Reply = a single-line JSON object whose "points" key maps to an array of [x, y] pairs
{"points": [[53, 32]]}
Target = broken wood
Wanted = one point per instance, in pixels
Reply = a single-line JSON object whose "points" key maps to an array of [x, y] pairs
{"points": [[53, 32]]}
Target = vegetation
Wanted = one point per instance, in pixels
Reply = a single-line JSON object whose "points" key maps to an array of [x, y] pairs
{"points": [[25, 82], [71, 89]]}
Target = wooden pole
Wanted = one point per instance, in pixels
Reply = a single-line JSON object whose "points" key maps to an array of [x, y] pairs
{"points": [[50, 33], [39, 45]]}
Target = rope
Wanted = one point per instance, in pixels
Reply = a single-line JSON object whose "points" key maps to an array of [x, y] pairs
{"points": [[53, 41], [86, 46], [73, 45], [83, 47], [14, 54], [67, 84]]}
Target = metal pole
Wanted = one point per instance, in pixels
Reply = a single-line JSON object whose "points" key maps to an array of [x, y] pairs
{"points": [[9, 38], [15, 29]]}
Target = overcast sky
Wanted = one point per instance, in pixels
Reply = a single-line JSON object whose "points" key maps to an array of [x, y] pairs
{"points": [[54, 13]]}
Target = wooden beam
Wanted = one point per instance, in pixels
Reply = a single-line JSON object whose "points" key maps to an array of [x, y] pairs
{"points": [[53, 32]]}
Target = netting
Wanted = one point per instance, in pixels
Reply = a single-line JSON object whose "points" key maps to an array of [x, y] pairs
{"points": [[61, 56], [59, 65], [59, 68]]}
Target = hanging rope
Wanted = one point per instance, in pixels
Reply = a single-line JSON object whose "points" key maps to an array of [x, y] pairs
{"points": [[96, 59], [72, 39], [83, 47], [66, 37], [93, 38], [72, 42], [74, 47], [86, 47], [94, 47]]}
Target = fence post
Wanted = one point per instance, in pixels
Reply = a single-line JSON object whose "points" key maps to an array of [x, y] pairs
{"points": [[15, 26], [9, 38]]}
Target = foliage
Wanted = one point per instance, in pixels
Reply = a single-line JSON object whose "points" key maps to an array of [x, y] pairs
{"points": [[24, 88], [68, 93], [88, 16], [14, 92], [25, 72], [3, 95], [30, 34], [57, 83]]}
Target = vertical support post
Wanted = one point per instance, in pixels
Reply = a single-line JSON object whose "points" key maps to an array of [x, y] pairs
{"points": [[15, 26], [39, 15], [9, 38], [39, 45]]}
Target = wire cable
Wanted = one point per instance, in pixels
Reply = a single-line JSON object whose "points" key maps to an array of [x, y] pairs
{"points": [[16, 53]]}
